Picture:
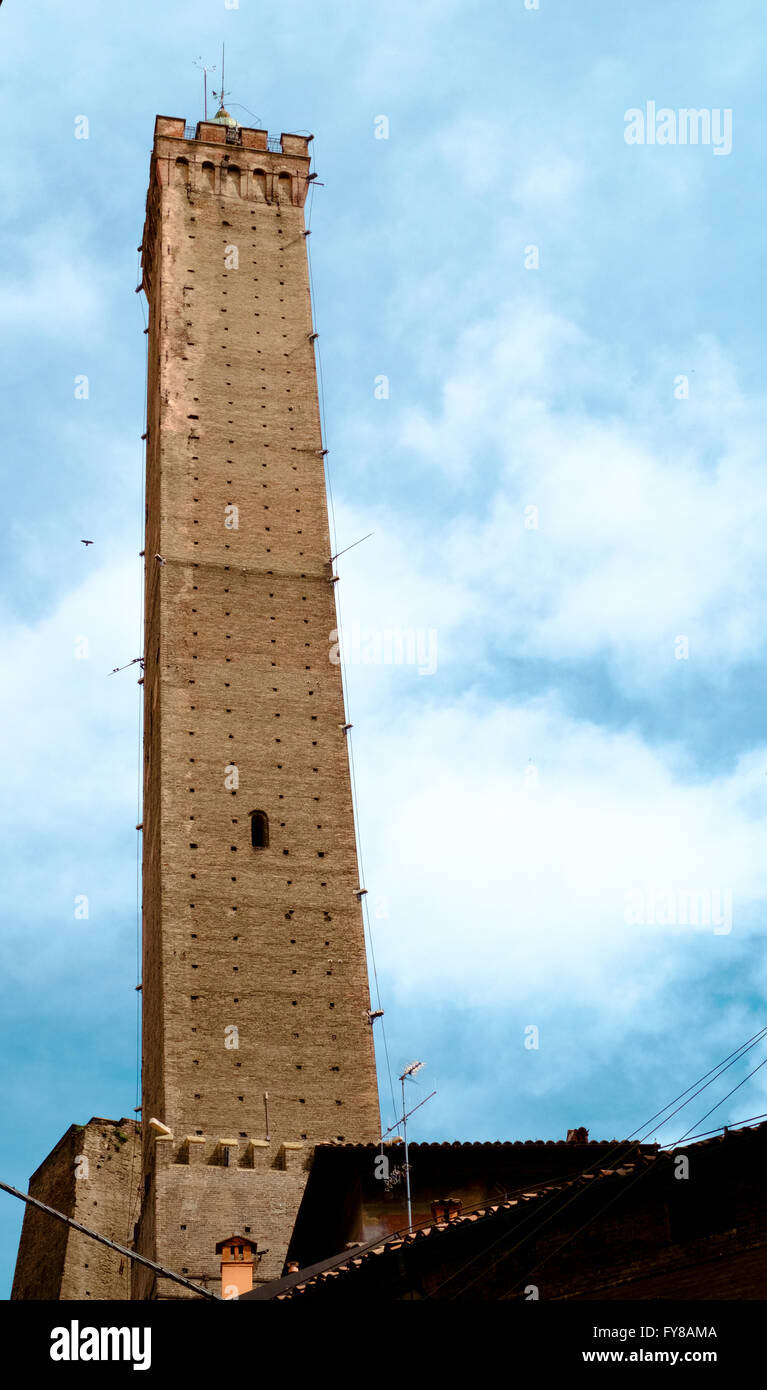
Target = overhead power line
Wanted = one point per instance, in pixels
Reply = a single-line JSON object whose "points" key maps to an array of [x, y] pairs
{"points": [[713, 1073], [112, 1244], [746, 1078], [544, 1209]]}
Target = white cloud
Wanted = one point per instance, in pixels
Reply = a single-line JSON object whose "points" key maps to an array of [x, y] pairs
{"points": [[651, 511], [52, 288], [71, 762], [500, 891], [70, 727], [553, 180]]}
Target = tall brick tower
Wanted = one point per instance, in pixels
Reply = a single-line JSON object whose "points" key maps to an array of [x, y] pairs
{"points": [[257, 1040]]}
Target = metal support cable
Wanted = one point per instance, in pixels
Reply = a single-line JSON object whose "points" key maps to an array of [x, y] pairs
{"points": [[366, 916], [112, 1244]]}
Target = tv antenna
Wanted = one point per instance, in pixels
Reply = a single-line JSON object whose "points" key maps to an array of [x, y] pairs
{"points": [[409, 1071], [205, 70]]}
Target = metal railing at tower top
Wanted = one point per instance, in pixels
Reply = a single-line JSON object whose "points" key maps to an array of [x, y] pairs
{"points": [[234, 136]]}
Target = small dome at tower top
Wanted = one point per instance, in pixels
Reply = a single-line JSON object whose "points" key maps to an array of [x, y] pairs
{"points": [[222, 117]]}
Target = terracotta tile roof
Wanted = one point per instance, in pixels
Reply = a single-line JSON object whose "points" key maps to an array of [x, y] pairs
{"points": [[438, 1144], [343, 1265], [646, 1157]]}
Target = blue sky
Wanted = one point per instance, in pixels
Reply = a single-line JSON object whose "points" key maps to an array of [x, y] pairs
{"points": [[563, 755]]}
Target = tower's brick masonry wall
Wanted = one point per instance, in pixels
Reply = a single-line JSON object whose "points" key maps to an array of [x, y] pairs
{"points": [[267, 942]]}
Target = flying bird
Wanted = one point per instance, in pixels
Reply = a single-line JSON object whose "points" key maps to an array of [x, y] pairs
{"points": [[81, 542]]}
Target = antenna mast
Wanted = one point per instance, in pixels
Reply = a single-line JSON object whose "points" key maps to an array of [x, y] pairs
{"points": [[409, 1071], [199, 64]]}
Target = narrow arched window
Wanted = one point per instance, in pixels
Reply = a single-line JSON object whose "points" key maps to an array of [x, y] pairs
{"points": [[230, 182], [259, 829]]}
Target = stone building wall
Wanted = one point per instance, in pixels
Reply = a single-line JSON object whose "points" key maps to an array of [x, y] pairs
{"points": [[92, 1176]]}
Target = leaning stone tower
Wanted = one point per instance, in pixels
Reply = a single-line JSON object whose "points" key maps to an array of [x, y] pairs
{"points": [[257, 1040]]}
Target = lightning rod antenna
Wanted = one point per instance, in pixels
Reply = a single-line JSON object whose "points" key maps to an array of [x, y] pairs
{"points": [[221, 96], [205, 70]]}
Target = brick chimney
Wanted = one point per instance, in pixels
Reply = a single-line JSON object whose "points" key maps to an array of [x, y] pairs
{"points": [[446, 1209], [238, 1255]]}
